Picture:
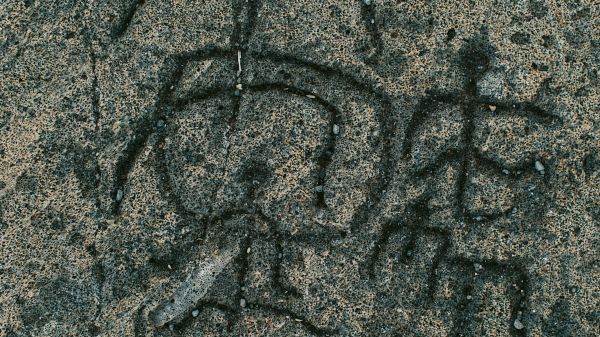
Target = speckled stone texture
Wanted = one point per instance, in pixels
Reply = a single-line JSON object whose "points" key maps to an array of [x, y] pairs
{"points": [[299, 168]]}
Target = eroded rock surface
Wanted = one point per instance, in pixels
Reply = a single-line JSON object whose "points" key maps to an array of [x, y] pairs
{"points": [[299, 168]]}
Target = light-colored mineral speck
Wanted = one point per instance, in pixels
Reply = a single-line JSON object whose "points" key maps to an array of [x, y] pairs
{"points": [[239, 59], [518, 324], [336, 129], [539, 167], [119, 196]]}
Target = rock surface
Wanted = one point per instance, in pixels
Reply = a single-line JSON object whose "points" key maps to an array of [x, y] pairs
{"points": [[379, 168]]}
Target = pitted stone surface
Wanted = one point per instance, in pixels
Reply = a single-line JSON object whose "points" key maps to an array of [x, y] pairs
{"points": [[299, 168]]}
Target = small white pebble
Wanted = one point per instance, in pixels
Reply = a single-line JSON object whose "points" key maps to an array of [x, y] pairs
{"points": [[518, 325], [539, 167], [238, 86], [239, 57], [336, 129], [469, 297], [492, 107], [195, 313], [242, 303], [310, 96], [119, 195], [505, 171], [248, 250]]}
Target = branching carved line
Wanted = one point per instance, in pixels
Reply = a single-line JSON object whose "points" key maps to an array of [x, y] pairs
{"points": [[417, 214], [148, 124], [466, 156], [517, 275], [420, 115], [416, 217], [334, 119]]}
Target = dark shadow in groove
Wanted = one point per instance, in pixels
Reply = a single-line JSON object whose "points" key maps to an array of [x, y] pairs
{"points": [[298, 318], [438, 258], [147, 125], [328, 151], [415, 221], [139, 326], [368, 16], [253, 8], [278, 283], [516, 274], [460, 321], [526, 109], [120, 28], [421, 114], [384, 118]]}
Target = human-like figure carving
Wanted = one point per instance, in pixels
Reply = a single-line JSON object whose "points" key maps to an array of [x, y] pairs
{"points": [[280, 163]]}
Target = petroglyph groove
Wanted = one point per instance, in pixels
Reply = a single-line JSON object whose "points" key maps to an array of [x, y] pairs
{"points": [[122, 27], [148, 126], [468, 154], [414, 222], [367, 11], [311, 327]]}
